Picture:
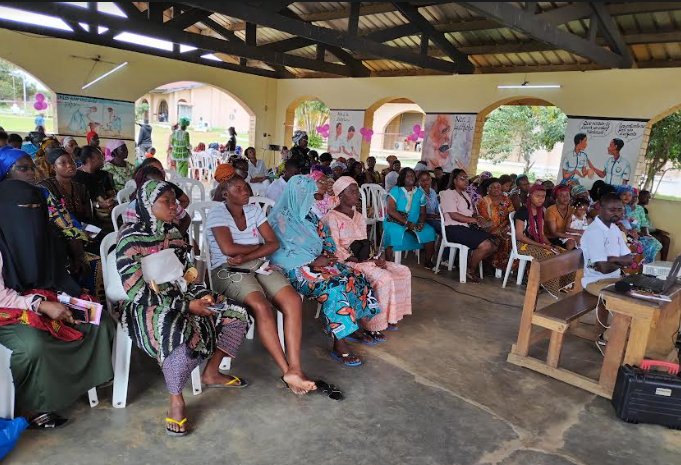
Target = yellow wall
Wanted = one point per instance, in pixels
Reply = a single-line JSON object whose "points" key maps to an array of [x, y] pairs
{"points": [[665, 214]]}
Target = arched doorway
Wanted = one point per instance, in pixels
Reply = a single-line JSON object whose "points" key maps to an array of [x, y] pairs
{"points": [[22, 93], [211, 111], [162, 112], [519, 135], [659, 166], [142, 110], [392, 121], [306, 113]]}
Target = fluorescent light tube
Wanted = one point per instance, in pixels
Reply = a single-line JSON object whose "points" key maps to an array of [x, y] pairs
{"points": [[105, 75], [530, 86]]}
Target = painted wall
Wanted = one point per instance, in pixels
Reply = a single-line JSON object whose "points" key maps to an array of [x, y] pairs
{"points": [[67, 67], [665, 215]]}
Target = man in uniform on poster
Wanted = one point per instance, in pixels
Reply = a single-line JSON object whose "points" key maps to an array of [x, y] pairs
{"points": [[576, 163], [617, 170]]}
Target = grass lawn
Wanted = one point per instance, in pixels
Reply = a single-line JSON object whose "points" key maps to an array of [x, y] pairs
{"points": [[667, 197], [19, 123]]}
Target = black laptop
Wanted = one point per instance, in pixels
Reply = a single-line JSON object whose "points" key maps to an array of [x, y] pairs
{"points": [[655, 285]]}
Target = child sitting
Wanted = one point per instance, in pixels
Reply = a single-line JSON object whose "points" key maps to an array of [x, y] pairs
{"points": [[580, 220]]}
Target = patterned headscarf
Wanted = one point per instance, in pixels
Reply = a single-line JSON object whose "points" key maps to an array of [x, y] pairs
{"points": [[146, 196], [578, 190], [223, 172], [624, 188], [110, 147], [341, 184], [298, 136]]}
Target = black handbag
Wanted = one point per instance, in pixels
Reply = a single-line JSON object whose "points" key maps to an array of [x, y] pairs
{"points": [[361, 249]]}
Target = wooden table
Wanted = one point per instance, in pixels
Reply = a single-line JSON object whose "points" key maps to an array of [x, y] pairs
{"points": [[638, 328]]}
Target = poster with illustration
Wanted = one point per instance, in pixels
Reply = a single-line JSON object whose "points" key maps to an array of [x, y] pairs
{"points": [[345, 139], [601, 148], [448, 140], [111, 119]]}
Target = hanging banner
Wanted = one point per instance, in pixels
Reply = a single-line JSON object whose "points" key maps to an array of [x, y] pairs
{"points": [[448, 140], [110, 119], [345, 139], [600, 148]]}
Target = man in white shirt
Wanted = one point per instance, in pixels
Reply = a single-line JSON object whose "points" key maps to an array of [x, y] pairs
{"points": [[391, 178], [274, 190], [617, 170], [605, 252]]}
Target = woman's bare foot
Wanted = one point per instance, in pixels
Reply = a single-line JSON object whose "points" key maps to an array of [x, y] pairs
{"points": [[176, 412], [298, 382], [219, 378]]}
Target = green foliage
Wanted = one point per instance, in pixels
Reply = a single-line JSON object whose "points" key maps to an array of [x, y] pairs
{"points": [[11, 86], [521, 129], [315, 141], [141, 110], [309, 115], [664, 148]]}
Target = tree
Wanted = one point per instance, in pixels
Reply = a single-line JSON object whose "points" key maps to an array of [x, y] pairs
{"points": [[664, 149], [308, 116], [141, 111], [523, 130]]}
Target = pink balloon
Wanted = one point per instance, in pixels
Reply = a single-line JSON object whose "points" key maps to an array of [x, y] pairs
{"points": [[416, 128], [422, 134], [38, 105], [326, 127], [43, 104], [320, 129], [39, 97]]}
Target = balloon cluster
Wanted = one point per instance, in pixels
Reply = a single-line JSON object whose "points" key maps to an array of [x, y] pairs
{"points": [[366, 134], [323, 131], [40, 103], [417, 134]]}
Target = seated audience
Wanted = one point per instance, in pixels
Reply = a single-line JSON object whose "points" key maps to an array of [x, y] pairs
{"points": [[631, 224], [44, 169], [405, 226], [659, 234], [239, 235], [257, 172], [580, 193], [441, 179], [372, 176], [550, 199], [529, 232], [306, 254], [506, 183], [518, 195], [14, 140], [54, 361], [337, 169], [324, 198], [73, 195], [276, 189], [459, 214], [99, 183], [432, 203], [390, 178], [70, 145], [118, 166], [474, 189], [172, 321], [356, 172], [495, 207], [558, 218], [389, 161], [580, 220], [391, 282], [325, 159]]}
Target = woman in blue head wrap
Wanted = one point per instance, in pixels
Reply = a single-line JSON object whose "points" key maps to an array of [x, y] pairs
{"points": [[635, 224], [306, 255]]}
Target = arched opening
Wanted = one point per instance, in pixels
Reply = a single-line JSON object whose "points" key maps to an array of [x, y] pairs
{"points": [[306, 113], [142, 110], [24, 101], [162, 113], [519, 135], [210, 110], [659, 167], [393, 121]]}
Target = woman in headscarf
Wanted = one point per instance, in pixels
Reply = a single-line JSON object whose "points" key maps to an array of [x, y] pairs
{"points": [[474, 189], [325, 199], [70, 145], [634, 223], [83, 265], [53, 362], [529, 232], [174, 322], [391, 282], [239, 235], [117, 163], [306, 254], [495, 208], [44, 168], [300, 151]]}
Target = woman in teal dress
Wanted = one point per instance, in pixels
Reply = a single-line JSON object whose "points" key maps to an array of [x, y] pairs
{"points": [[306, 255], [636, 224], [405, 226]]}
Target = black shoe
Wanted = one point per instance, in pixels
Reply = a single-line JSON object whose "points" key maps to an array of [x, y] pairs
{"points": [[47, 421]]}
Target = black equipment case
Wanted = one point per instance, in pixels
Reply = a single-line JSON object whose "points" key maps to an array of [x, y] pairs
{"points": [[642, 396]]}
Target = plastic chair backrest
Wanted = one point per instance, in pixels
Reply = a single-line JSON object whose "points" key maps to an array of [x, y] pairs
{"points": [[131, 183], [117, 213], [200, 208], [124, 194], [188, 186], [113, 286], [265, 203], [514, 241], [373, 198], [442, 223]]}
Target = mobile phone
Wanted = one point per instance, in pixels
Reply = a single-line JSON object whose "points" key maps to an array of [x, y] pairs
{"points": [[233, 269], [79, 315]]}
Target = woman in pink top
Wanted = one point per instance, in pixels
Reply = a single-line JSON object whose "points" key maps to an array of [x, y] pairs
{"points": [[391, 282], [463, 225]]}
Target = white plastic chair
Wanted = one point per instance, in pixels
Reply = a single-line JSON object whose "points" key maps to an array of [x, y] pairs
{"points": [[265, 203], [131, 183], [515, 256], [124, 194], [6, 384], [189, 186], [455, 247], [113, 288], [373, 198], [198, 212], [117, 213]]}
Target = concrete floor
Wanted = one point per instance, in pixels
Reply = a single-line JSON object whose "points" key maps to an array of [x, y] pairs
{"points": [[438, 392]]}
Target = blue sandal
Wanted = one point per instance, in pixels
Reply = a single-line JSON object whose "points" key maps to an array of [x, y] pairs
{"points": [[346, 359]]}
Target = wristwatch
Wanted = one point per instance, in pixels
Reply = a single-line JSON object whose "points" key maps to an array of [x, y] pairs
{"points": [[36, 301]]}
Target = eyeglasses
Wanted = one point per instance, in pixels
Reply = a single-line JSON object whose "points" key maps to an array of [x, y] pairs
{"points": [[24, 168], [463, 177]]}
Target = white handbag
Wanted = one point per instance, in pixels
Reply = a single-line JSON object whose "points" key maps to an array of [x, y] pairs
{"points": [[162, 267]]}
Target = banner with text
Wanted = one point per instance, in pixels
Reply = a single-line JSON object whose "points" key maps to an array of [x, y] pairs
{"points": [[448, 140], [600, 148], [111, 119], [345, 139]]}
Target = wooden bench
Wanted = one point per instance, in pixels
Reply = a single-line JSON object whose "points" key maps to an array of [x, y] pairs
{"points": [[553, 320]]}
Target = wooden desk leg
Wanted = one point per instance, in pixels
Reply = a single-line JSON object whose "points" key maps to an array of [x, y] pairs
{"points": [[638, 341], [614, 351]]}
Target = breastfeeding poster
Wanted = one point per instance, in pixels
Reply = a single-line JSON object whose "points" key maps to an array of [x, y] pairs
{"points": [[448, 140], [601, 148], [345, 139], [111, 119]]}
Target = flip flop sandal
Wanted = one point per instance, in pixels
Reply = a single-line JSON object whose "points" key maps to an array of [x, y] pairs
{"points": [[47, 421], [229, 384], [345, 359], [329, 390], [377, 336], [392, 328], [370, 342], [181, 423]]}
